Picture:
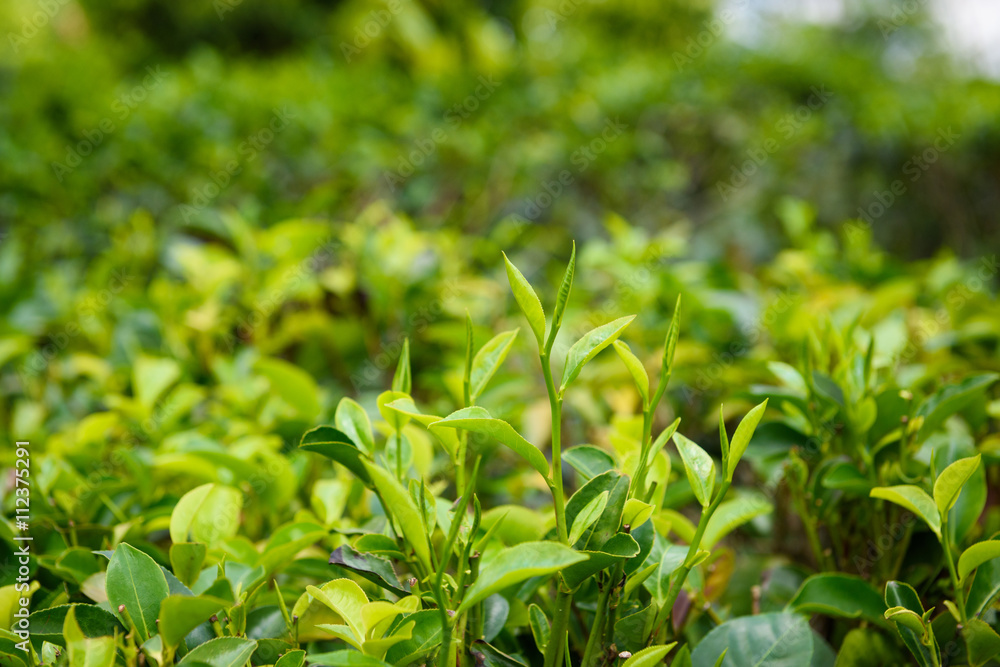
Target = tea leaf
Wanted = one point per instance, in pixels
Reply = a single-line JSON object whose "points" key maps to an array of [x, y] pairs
{"points": [[975, 556], [336, 446], [950, 399], [528, 301], [636, 513], [588, 515], [353, 421], [345, 598], [478, 420], [649, 656], [951, 480], [186, 559], [590, 345], [635, 369], [589, 461], [741, 439], [620, 547], [840, 595], [517, 563], [137, 582], [914, 499], [402, 380], [540, 627], [982, 642], [488, 359], [771, 640], [221, 652], [180, 614], [562, 297], [398, 503], [732, 514], [699, 467]]}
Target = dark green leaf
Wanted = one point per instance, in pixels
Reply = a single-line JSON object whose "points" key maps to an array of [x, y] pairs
{"points": [[136, 581], [335, 445], [766, 640], [950, 399], [372, 567], [840, 595], [588, 460]]}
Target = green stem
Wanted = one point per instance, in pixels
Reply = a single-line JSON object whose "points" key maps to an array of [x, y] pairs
{"points": [[950, 559], [555, 405], [681, 575], [595, 641], [560, 625]]}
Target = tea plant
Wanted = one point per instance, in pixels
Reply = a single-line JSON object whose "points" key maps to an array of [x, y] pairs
{"points": [[409, 551]]}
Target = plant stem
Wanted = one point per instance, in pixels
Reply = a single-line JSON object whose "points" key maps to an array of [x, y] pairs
{"points": [[560, 625], [681, 575], [595, 641], [950, 559], [555, 405]]}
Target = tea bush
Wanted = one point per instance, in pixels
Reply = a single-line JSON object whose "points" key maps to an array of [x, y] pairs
{"points": [[284, 447]]}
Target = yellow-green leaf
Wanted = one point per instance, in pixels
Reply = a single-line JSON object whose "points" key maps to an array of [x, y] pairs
{"points": [[589, 345], [699, 467], [949, 483], [528, 301], [914, 499]]}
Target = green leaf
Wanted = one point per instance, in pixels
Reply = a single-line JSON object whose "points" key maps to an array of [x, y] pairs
{"points": [[488, 359], [208, 513], [950, 399], [294, 658], [478, 420], [635, 369], [636, 513], [699, 467], [395, 418], [447, 437], [975, 556], [588, 515], [981, 641], [345, 659], [180, 614], [732, 514], [295, 387], [914, 499], [221, 652], [589, 461], [901, 596], [402, 380], [84, 651], [346, 598], [541, 630], [867, 647], [741, 439], [670, 560], [186, 559], [515, 564], [670, 343], [951, 480], [47, 624], [424, 639], [649, 656], [336, 446], [563, 296], [840, 595], [353, 421], [528, 301], [620, 547], [372, 567], [400, 505], [985, 587], [765, 640], [135, 580], [151, 377], [590, 345]]}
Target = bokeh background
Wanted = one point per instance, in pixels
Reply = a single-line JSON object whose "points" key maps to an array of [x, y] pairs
{"points": [[257, 200]]}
